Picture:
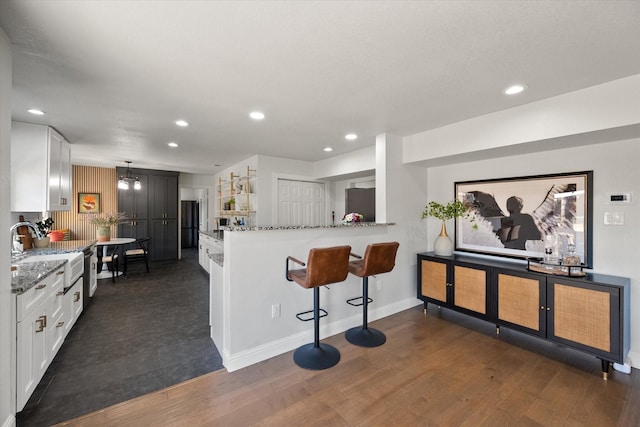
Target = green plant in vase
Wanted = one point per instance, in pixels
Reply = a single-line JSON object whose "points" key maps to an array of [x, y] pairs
{"points": [[445, 211]]}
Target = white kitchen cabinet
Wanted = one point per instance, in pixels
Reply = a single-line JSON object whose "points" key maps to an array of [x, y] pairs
{"points": [[72, 306], [39, 335], [32, 354], [40, 169], [204, 247], [93, 273], [208, 245]]}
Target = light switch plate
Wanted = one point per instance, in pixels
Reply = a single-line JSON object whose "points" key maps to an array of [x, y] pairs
{"points": [[614, 218]]}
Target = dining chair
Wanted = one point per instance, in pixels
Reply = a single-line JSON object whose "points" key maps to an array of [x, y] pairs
{"points": [[111, 260], [139, 253]]}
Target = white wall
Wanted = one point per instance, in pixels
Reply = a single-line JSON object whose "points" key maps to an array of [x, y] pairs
{"points": [[602, 113], [192, 187], [359, 161], [7, 318]]}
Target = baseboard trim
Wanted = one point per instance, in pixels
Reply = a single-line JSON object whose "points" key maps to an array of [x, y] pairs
{"points": [[233, 362], [633, 359]]}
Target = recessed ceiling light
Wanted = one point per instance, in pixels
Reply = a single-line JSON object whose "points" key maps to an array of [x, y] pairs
{"points": [[256, 115], [172, 144], [327, 149], [182, 123], [351, 136], [515, 89], [36, 112]]}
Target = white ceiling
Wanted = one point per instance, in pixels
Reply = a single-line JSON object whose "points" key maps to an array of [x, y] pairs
{"points": [[113, 76]]}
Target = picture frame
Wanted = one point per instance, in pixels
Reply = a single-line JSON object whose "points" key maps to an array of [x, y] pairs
{"points": [[528, 217], [88, 203]]}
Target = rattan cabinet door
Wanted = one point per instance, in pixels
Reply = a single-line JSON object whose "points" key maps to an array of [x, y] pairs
{"points": [[521, 301], [434, 280], [471, 290], [584, 315]]}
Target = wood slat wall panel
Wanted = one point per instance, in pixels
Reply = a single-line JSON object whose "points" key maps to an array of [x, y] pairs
{"points": [[88, 179]]}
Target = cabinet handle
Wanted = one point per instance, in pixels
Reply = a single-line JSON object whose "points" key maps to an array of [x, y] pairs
{"points": [[60, 272], [42, 322], [77, 297], [548, 308], [542, 307], [40, 287], [60, 325], [93, 265]]}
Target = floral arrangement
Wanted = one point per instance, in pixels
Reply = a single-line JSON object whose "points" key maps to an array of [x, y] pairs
{"points": [[352, 217], [44, 226], [443, 212], [106, 219]]}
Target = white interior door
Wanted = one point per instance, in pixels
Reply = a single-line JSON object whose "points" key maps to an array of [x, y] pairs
{"points": [[300, 202]]}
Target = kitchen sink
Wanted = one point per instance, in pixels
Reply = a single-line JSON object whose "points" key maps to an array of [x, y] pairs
{"points": [[73, 269]]}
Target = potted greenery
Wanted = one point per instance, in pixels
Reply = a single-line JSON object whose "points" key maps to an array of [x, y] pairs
{"points": [[232, 204], [44, 227], [103, 222], [454, 209]]}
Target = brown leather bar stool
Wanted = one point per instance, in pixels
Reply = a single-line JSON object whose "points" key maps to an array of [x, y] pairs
{"points": [[378, 258], [324, 266]]}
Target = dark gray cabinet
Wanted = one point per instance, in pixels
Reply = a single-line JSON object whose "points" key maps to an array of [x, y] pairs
{"points": [[588, 313], [152, 211], [134, 204], [163, 213]]}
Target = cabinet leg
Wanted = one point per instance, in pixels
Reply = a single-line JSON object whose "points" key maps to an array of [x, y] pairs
{"points": [[497, 330], [424, 307], [605, 369]]}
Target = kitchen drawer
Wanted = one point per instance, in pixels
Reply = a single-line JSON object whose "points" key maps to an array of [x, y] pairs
{"points": [[28, 301]]}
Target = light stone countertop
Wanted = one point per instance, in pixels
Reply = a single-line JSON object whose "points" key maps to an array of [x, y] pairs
{"points": [[303, 227], [31, 273]]}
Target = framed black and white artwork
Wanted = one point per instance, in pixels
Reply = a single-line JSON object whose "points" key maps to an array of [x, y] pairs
{"points": [[519, 217]]}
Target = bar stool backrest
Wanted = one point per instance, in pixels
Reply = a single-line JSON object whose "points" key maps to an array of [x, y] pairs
{"points": [[378, 258], [324, 266]]}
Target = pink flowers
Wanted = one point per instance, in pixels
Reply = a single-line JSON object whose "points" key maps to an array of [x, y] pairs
{"points": [[352, 217]]}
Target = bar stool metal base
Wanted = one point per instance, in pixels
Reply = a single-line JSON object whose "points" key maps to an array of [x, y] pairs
{"points": [[323, 356], [365, 337]]}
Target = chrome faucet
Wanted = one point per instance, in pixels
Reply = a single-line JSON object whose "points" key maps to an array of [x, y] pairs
{"points": [[12, 231]]}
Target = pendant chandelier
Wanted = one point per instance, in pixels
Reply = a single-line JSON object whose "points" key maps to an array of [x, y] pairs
{"points": [[123, 181]]}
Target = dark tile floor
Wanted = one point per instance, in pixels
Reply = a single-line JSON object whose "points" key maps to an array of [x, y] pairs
{"points": [[141, 334]]}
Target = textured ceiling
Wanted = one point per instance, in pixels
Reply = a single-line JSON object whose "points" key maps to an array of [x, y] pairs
{"points": [[113, 76]]}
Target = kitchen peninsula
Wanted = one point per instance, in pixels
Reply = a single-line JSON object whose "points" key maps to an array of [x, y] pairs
{"points": [[253, 306]]}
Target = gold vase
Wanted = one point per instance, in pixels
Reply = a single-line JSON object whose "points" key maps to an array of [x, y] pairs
{"points": [[443, 245]]}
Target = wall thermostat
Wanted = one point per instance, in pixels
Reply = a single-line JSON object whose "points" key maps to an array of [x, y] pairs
{"points": [[619, 198]]}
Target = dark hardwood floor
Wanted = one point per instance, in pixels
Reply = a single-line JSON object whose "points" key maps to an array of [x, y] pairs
{"points": [[439, 369], [143, 333]]}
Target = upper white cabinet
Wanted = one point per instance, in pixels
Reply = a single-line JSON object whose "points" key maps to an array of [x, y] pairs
{"points": [[40, 169]]}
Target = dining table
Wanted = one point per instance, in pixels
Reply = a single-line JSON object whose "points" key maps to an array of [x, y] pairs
{"points": [[114, 241]]}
